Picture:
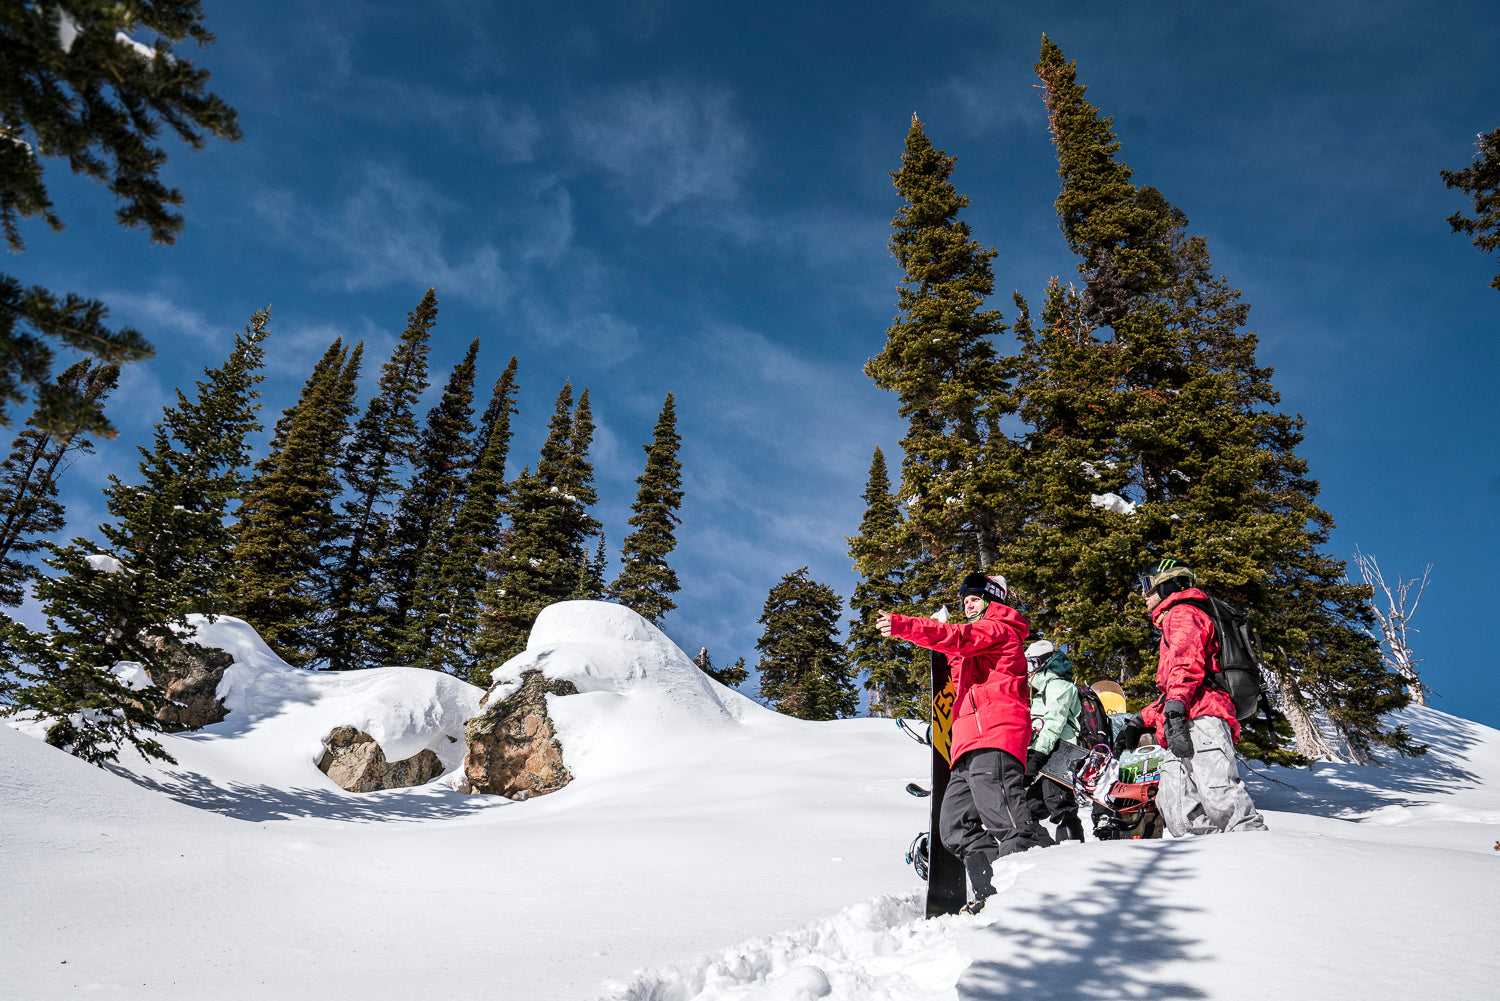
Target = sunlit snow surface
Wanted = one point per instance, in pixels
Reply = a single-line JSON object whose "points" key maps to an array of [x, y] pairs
{"points": [[707, 849]]}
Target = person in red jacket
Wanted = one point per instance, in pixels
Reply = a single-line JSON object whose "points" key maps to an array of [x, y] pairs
{"points": [[1200, 791], [984, 814]]}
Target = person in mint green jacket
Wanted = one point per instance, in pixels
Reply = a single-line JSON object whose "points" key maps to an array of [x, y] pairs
{"points": [[1055, 708]]}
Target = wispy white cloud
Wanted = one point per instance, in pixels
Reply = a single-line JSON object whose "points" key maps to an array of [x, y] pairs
{"points": [[156, 314], [506, 128], [992, 95], [390, 230], [664, 145]]}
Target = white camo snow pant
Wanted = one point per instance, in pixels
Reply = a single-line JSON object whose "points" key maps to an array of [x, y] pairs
{"points": [[1203, 794]]}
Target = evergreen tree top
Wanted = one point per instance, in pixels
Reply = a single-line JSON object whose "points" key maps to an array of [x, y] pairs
{"points": [[1107, 221]]}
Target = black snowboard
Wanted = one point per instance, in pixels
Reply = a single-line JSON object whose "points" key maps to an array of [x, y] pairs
{"points": [[945, 875], [1062, 761]]}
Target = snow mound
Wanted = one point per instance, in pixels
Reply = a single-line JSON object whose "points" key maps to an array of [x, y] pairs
{"points": [[641, 701], [603, 647], [279, 717]]}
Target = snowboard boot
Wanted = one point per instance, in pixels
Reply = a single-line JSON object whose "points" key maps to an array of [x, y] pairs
{"points": [[1069, 829], [977, 864]]}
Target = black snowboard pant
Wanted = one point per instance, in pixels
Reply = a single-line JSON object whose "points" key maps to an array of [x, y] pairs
{"points": [[984, 811], [1050, 801]]}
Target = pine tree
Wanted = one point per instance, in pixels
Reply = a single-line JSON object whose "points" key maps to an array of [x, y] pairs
{"points": [[130, 607], [384, 443], [646, 582], [591, 586], [539, 556], [940, 360], [803, 670], [896, 676], [422, 518], [100, 615], [171, 529], [286, 524], [1171, 410], [453, 576], [75, 84], [29, 508], [1482, 180]]}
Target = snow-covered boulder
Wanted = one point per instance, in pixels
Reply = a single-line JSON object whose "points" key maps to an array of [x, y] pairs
{"points": [[357, 763], [597, 689], [191, 679], [513, 748]]}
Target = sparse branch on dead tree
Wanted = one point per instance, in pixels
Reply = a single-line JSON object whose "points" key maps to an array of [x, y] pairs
{"points": [[1394, 617]]}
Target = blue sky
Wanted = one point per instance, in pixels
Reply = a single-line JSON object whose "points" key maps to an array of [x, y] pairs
{"points": [[695, 198]]}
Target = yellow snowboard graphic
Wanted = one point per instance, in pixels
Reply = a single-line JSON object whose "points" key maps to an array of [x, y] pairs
{"points": [[942, 719]]}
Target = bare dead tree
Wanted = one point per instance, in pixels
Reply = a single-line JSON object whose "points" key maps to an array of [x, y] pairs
{"points": [[1394, 619], [1311, 742]]}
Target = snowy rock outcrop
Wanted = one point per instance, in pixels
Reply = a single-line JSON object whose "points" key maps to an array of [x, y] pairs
{"points": [[191, 680], [356, 762], [598, 692], [513, 748]]}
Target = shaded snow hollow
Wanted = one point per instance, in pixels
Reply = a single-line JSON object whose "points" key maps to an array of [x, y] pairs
{"points": [[708, 850]]}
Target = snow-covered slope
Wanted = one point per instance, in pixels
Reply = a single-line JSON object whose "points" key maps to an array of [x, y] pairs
{"points": [[707, 849]]}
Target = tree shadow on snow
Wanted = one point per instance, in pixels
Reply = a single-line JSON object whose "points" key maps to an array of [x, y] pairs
{"points": [[1105, 944], [1346, 791], [259, 803]]}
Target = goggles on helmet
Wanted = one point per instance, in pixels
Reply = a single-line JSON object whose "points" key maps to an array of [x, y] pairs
{"points": [[1164, 570]]}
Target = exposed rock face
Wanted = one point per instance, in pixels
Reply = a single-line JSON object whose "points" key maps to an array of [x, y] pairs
{"points": [[192, 683], [355, 762], [513, 748]]}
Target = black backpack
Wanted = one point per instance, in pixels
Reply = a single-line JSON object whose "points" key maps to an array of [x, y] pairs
{"points": [[1093, 722], [1239, 654]]}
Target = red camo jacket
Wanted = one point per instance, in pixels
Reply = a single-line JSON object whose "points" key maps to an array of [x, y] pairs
{"points": [[986, 659], [1188, 650]]}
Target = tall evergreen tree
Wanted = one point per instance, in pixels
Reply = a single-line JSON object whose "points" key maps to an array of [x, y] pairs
{"points": [[803, 669], [171, 529], [940, 360], [286, 524], [29, 508], [130, 607], [431, 498], [76, 84], [384, 444], [646, 582], [896, 676], [1170, 414], [539, 556], [1482, 180], [452, 578]]}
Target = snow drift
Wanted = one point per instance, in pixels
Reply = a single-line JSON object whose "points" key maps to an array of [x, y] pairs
{"points": [[708, 849]]}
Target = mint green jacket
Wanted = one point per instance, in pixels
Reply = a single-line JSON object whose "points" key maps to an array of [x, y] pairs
{"points": [[1055, 701]]}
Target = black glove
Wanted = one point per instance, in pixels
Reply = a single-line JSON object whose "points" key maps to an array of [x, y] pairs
{"points": [[1129, 735], [1179, 731], [1034, 761]]}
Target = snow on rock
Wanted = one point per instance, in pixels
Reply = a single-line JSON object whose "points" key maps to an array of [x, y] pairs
{"points": [[280, 716], [640, 697]]}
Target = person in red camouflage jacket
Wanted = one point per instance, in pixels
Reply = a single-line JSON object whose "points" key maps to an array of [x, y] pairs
{"points": [[1200, 791], [984, 814]]}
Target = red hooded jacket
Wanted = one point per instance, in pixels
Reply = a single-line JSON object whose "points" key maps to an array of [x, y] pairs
{"points": [[991, 705], [1189, 650]]}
